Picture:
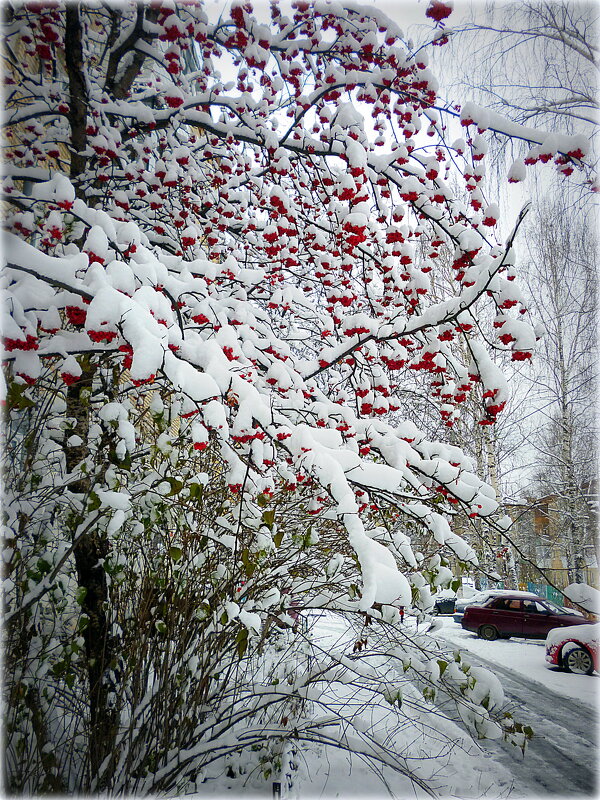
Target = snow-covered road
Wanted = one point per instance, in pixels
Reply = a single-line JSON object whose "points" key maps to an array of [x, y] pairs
{"points": [[561, 708], [561, 758]]}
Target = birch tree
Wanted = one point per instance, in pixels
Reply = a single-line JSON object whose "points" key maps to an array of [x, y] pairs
{"points": [[562, 278]]}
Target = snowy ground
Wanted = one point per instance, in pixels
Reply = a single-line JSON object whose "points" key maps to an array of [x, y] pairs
{"points": [[560, 762], [470, 772], [561, 708]]}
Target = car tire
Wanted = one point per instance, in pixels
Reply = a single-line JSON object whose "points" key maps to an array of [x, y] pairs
{"points": [[488, 632], [579, 661]]}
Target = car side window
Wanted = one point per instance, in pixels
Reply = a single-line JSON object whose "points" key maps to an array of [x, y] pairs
{"points": [[532, 607], [505, 604]]}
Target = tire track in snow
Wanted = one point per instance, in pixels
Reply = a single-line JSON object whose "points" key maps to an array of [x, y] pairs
{"points": [[561, 758]]}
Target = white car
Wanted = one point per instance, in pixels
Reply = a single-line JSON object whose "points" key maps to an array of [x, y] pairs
{"points": [[574, 649]]}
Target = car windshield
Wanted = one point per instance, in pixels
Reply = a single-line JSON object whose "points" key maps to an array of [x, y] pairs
{"points": [[478, 598], [556, 608]]}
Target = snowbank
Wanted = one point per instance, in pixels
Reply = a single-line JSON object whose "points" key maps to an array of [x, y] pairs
{"points": [[584, 595]]}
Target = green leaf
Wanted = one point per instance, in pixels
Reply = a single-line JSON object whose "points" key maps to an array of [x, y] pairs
{"points": [[268, 518], [528, 731], [262, 500], [43, 566], [456, 584], [196, 491], [59, 668], [249, 565], [15, 397], [80, 594], [277, 538], [242, 642], [160, 626], [175, 553], [203, 610], [93, 502], [442, 665], [125, 462], [176, 486]]}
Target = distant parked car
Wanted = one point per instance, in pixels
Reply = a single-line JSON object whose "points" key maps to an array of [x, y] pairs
{"points": [[574, 649], [514, 615], [479, 598], [444, 605]]}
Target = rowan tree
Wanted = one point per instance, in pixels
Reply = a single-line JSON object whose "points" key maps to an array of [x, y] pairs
{"points": [[218, 311]]}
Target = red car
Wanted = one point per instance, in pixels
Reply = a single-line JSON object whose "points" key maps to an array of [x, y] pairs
{"points": [[514, 615], [574, 649]]}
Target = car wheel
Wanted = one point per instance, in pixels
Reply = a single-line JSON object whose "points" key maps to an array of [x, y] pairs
{"points": [[578, 661], [488, 632]]}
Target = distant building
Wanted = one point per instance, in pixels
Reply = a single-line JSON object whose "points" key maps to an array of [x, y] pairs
{"points": [[542, 532]]}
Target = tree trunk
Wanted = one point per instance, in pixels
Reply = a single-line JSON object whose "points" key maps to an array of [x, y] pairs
{"points": [[90, 552], [78, 100]]}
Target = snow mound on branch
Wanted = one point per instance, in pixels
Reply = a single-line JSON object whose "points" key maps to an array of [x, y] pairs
{"points": [[584, 595], [380, 574]]}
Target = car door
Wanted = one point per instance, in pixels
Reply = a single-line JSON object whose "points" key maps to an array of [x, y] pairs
{"points": [[505, 614], [537, 619]]}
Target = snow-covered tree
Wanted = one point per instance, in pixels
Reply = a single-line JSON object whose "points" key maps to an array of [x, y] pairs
{"points": [[220, 315], [559, 42], [562, 279], [535, 62]]}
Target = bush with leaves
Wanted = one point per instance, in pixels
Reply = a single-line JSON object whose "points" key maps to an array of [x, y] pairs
{"points": [[217, 315]]}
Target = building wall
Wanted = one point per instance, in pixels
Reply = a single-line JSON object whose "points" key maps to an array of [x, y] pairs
{"points": [[538, 533]]}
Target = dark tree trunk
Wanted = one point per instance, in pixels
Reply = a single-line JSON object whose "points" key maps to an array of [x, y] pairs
{"points": [[91, 550], [78, 94]]}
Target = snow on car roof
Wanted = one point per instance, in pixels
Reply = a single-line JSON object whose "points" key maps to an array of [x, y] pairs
{"points": [[513, 592]]}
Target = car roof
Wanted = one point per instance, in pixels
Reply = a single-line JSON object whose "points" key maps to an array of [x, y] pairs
{"points": [[513, 593], [516, 595]]}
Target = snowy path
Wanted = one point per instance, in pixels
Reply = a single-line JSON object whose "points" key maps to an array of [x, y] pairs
{"points": [[559, 762], [561, 759]]}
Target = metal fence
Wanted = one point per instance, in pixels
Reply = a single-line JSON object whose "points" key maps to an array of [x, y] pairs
{"points": [[546, 591]]}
